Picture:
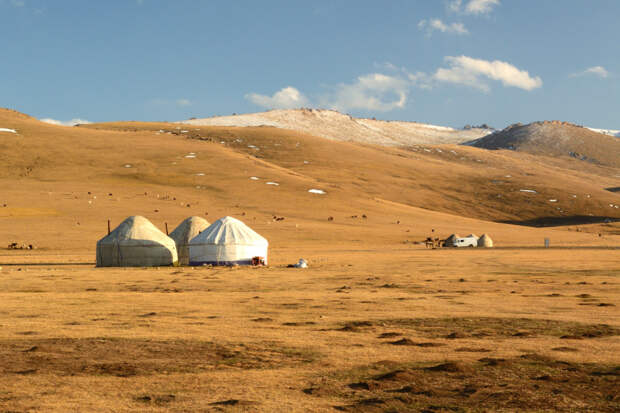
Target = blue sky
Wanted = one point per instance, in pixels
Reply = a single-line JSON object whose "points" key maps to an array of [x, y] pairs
{"points": [[443, 62]]}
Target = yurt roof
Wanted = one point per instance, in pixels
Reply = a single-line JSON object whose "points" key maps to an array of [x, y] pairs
{"points": [[229, 231], [138, 229], [188, 229]]}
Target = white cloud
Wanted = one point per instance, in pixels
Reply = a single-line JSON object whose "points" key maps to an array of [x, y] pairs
{"points": [[472, 72], [386, 65], [285, 98], [480, 6], [455, 6], [18, 3], [473, 6], [72, 122], [183, 102], [374, 91], [381, 92], [436, 24], [599, 71]]}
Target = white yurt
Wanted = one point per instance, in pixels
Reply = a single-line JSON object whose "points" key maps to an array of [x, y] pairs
{"points": [[227, 241], [184, 233], [485, 241], [136, 242]]}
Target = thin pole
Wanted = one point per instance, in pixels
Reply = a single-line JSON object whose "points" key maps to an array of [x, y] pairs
{"points": [[166, 227], [108, 227]]}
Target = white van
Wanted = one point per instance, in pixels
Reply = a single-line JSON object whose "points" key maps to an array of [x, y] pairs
{"points": [[466, 242]]}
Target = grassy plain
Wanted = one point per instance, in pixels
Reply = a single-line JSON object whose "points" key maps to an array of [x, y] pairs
{"points": [[377, 323], [504, 329]]}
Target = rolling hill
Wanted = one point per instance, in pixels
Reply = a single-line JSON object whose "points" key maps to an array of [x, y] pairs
{"points": [[554, 138], [61, 184], [333, 125]]}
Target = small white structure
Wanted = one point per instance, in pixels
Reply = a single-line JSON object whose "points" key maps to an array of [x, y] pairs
{"points": [[184, 233], [469, 241], [136, 242], [485, 241], [301, 264], [227, 241]]}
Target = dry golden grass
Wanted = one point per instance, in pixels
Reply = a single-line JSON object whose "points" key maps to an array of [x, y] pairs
{"points": [[517, 327], [279, 339]]}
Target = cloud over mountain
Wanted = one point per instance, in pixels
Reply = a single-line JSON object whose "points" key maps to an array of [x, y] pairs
{"points": [[385, 92], [374, 91], [286, 98], [473, 72]]}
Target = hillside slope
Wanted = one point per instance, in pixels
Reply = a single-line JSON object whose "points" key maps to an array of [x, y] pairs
{"points": [[553, 138], [61, 185], [459, 180], [333, 125]]}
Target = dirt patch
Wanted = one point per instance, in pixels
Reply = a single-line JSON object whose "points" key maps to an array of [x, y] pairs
{"points": [[355, 326], [389, 334], [133, 357], [472, 350], [530, 382], [233, 402], [408, 342], [478, 327], [162, 399], [565, 349]]}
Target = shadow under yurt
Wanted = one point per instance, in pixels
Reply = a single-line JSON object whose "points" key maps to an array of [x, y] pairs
{"points": [[184, 233], [228, 241], [136, 242]]}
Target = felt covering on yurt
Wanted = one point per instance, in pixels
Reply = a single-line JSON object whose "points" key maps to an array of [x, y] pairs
{"points": [[136, 242], [184, 233], [227, 241], [485, 241]]}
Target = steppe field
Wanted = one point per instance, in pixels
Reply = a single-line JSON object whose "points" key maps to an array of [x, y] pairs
{"points": [[377, 323]]}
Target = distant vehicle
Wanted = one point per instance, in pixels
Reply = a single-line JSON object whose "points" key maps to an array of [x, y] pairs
{"points": [[466, 242]]}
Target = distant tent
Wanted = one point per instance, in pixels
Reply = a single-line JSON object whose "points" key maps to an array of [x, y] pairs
{"points": [[468, 241], [184, 233], [227, 241], [485, 241], [136, 242], [451, 240], [472, 236]]}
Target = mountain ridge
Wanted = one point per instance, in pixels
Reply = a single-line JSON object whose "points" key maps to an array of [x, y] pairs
{"points": [[557, 139], [334, 125]]}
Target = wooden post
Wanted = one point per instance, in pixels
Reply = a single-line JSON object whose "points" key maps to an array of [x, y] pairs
{"points": [[166, 227], [108, 227]]}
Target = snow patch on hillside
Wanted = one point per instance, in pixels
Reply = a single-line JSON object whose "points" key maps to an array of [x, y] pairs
{"points": [[336, 126], [610, 132], [72, 122]]}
